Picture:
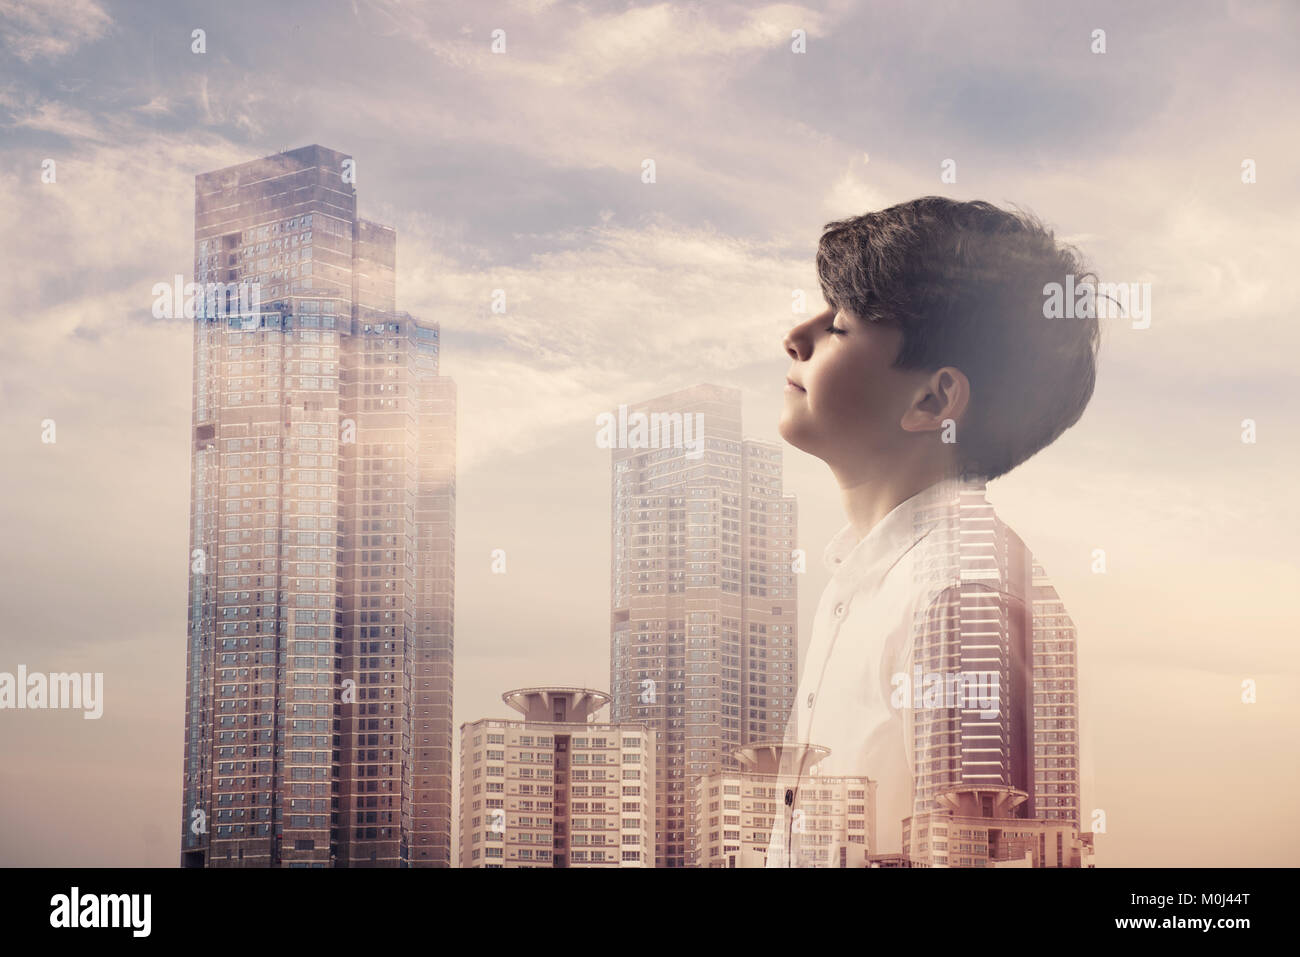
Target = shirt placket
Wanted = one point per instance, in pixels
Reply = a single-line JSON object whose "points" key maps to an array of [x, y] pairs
{"points": [[837, 614], [870, 578]]}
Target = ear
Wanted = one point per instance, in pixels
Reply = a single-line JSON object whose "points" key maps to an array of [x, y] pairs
{"points": [[944, 394]]}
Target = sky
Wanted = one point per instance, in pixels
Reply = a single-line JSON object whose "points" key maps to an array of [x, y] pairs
{"points": [[522, 170]]}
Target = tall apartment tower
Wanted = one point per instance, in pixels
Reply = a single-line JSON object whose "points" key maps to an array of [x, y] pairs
{"points": [[557, 788], [703, 611], [318, 700], [984, 630], [1057, 753], [1004, 627]]}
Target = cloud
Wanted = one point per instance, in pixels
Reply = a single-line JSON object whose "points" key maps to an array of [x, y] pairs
{"points": [[159, 105], [679, 303], [50, 29]]}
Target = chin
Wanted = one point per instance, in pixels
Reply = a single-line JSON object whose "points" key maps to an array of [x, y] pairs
{"points": [[789, 429], [800, 436]]}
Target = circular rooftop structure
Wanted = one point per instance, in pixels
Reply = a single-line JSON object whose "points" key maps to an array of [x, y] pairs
{"points": [[555, 704]]}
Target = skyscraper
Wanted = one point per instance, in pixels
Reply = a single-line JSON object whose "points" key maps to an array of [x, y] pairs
{"points": [[703, 611], [1003, 628], [322, 533], [1057, 748], [982, 629]]}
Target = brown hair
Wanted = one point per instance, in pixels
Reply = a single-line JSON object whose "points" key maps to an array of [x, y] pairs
{"points": [[965, 283]]}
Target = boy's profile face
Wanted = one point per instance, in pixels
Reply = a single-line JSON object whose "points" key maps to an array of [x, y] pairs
{"points": [[843, 400]]}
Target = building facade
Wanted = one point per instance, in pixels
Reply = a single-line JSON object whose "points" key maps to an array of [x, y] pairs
{"points": [[980, 827], [1001, 627], [735, 811], [703, 626], [1057, 747], [557, 788], [322, 533]]}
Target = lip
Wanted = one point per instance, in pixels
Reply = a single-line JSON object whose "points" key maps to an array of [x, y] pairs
{"points": [[792, 386]]}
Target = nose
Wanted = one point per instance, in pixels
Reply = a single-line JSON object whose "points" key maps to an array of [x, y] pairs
{"points": [[796, 342]]}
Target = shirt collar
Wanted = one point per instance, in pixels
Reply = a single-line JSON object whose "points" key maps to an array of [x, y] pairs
{"points": [[904, 526]]}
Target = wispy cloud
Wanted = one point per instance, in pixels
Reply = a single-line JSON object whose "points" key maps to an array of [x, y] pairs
{"points": [[50, 29]]}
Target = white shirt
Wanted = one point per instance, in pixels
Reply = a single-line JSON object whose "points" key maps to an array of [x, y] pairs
{"points": [[881, 591]]}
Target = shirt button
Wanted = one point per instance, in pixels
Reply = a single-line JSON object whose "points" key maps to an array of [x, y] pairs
{"points": [[839, 610], [810, 699], [789, 796]]}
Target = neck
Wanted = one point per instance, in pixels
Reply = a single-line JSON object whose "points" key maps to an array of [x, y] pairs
{"points": [[869, 496]]}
